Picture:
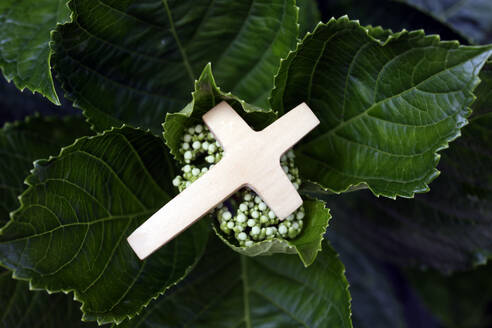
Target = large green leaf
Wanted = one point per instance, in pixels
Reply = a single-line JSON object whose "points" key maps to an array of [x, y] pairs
{"points": [[307, 245], [70, 232], [21, 143], [471, 18], [230, 290], [21, 308], [386, 105], [25, 27], [448, 228], [134, 61]]}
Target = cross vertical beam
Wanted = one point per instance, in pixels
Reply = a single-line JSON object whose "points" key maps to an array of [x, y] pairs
{"points": [[250, 158]]}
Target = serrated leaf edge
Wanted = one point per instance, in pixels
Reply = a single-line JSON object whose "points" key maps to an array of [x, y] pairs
{"points": [[99, 318], [434, 173]]}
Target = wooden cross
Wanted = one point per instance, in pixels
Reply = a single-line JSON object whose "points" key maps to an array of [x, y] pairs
{"points": [[251, 158]]}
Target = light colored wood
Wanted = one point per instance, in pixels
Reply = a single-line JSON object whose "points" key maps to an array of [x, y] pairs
{"points": [[251, 158]]}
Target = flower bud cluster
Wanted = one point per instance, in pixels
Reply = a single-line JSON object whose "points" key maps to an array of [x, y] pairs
{"points": [[245, 217]]}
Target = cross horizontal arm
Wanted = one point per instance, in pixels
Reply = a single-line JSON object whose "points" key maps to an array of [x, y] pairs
{"points": [[291, 127]]}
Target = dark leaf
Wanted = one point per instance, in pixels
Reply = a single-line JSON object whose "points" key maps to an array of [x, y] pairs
{"points": [[70, 232], [387, 104]]}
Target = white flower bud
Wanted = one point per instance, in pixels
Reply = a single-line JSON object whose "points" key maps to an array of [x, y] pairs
{"points": [[251, 222], [282, 229], [187, 138], [255, 214], [271, 215], [199, 128], [185, 146], [196, 145], [187, 155], [255, 230], [195, 171], [241, 218], [242, 236], [186, 168], [227, 216], [300, 215], [243, 207], [262, 206], [205, 145], [230, 224], [176, 181], [248, 243]]}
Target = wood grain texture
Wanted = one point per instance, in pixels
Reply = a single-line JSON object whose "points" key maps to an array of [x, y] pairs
{"points": [[251, 158]]}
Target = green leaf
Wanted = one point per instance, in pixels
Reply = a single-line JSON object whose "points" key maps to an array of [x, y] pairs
{"points": [[23, 142], [386, 107], [230, 290], [448, 228], [309, 16], [134, 61], [470, 18], [306, 245], [205, 97], [25, 28], [22, 308], [70, 232]]}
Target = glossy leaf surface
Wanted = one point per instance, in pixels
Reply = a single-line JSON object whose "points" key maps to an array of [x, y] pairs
{"points": [[70, 232], [25, 28], [387, 103], [23, 142], [133, 61], [448, 228]]}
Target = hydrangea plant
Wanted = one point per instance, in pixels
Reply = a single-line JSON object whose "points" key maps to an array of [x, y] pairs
{"points": [[244, 216], [142, 74]]}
